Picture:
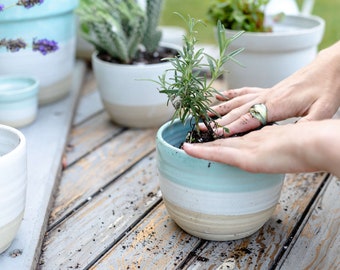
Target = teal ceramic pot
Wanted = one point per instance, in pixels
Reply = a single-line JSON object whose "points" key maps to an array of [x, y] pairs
{"points": [[18, 100], [52, 20], [211, 200]]}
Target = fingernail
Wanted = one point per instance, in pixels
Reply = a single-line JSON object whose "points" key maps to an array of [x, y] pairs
{"points": [[187, 145]]}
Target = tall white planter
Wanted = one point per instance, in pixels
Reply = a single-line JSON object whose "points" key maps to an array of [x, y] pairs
{"points": [[270, 57], [52, 20], [128, 95], [13, 177]]}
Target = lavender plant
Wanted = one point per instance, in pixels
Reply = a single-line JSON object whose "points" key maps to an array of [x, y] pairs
{"points": [[44, 46], [24, 3], [121, 29], [189, 91]]}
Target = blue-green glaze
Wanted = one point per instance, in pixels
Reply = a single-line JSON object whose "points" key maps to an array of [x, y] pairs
{"points": [[53, 20], [175, 165], [47, 9], [17, 88]]}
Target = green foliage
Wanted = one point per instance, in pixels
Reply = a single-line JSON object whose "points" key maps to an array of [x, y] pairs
{"points": [[189, 90], [247, 15], [120, 28], [152, 35]]}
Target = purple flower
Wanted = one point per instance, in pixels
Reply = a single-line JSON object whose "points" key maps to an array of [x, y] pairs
{"points": [[13, 45], [29, 3], [45, 46]]}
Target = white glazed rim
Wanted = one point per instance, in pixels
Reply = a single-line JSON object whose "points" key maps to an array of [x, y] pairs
{"points": [[167, 45], [31, 88], [19, 146]]}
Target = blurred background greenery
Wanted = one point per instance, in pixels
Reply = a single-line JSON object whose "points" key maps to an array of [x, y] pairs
{"points": [[327, 9]]}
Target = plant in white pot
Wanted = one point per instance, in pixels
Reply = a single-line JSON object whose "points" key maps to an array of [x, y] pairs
{"points": [[274, 46], [210, 200], [32, 29], [128, 51]]}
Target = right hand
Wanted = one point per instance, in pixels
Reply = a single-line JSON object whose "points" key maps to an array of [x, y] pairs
{"points": [[312, 93]]}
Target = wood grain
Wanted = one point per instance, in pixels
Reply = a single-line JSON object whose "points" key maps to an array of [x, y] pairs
{"points": [[318, 245], [100, 167], [258, 251]]}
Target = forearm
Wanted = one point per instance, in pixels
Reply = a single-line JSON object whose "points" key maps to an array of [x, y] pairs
{"points": [[322, 147], [329, 61]]}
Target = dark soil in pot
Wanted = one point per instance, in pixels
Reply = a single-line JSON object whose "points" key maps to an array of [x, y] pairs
{"points": [[143, 57]]}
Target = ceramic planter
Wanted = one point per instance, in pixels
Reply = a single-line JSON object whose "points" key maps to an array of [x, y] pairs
{"points": [[13, 176], [52, 20], [18, 100], [211, 200], [270, 57], [128, 95]]}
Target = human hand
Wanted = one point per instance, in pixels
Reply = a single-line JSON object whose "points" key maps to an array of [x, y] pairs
{"points": [[310, 94], [291, 148]]}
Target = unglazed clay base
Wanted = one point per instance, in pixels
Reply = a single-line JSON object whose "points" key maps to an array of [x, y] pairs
{"points": [[56, 91], [217, 227], [20, 122], [139, 116], [8, 232]]}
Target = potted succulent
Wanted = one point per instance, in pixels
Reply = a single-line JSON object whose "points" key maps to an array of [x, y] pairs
{"points": [[32, 29], [275, 46], [128, 52], [207, 199]]}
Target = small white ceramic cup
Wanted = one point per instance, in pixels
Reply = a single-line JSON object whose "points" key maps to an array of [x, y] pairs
{"points": [[18, 100], [13, 182]]}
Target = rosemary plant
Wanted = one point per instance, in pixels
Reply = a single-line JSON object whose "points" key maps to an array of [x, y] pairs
{"points": [[247, 15], [121, 28], [190, 91]]}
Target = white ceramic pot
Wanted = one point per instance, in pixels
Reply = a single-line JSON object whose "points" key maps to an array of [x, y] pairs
{"points": [[18, 100], [172, 34], [270, 57], [13, 181], [129, 96], [211, 200], [52, 20]]}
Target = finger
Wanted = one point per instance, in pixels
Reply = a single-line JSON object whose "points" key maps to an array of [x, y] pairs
{"points": [[230, 117], [243, 124], [235, 114], [236, 102], [232, 93], [213, 151]]}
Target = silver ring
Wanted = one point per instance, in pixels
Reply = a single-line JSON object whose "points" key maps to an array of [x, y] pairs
{"points": [[259, 111]]}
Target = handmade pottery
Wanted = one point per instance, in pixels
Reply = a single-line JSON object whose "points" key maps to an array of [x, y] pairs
{"points": [[211, 200], [129, 95], [18, 100], [272, 56], [52, 20], [13, 177]]}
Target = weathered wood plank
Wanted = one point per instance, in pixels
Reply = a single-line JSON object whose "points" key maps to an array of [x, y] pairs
{"points": [[258, 251], [89, 105], [93, 172], [46, 140], [261, 250], [318, 245], [85, 137], [156, 243], [94, 227]]}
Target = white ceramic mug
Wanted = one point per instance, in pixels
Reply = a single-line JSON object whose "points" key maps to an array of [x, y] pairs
{"points": [[13, 182]]}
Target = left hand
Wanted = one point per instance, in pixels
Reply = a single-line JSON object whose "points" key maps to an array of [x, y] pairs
{"points": [[291, 148]]}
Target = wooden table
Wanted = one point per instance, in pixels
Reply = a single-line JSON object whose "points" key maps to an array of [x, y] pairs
{"points": [[108, 211]]}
